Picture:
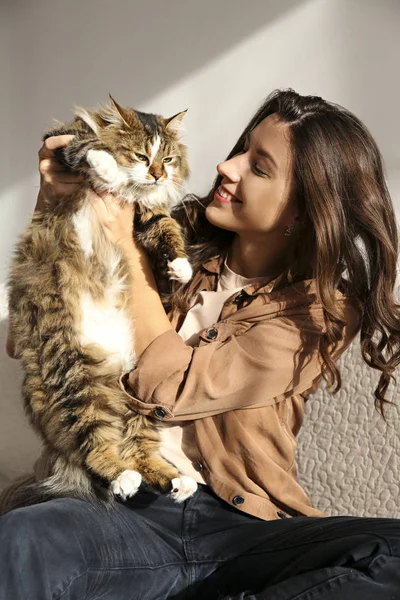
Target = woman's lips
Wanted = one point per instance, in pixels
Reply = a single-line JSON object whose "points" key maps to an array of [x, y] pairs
{"points": [[223, 196]]}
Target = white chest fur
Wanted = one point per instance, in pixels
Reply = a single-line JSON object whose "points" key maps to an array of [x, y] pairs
{"points": [[110, 328], [104, 322]]}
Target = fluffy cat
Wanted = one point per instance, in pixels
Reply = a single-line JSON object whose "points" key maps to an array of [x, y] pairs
{"points": [[69, 292]]}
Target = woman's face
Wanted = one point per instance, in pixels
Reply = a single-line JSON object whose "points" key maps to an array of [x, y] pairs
{"points": [[255, 195]]}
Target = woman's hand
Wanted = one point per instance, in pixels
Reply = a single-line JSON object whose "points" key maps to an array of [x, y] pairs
{"points": [[116, 218], [55, 181]]}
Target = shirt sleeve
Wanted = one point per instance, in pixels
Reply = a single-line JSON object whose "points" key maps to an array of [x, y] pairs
{"points": [[270, 361]]}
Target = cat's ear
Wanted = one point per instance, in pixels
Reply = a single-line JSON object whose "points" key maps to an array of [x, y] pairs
{"points": [[120, 111], [174, 124], [90, 119]]}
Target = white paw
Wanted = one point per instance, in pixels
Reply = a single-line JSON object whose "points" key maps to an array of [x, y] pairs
{"points": [[104, 164], [180, 269], [126, 484], [182, 487]]}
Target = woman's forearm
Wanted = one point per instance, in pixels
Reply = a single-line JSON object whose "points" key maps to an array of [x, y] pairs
{"points": [[148, 314]]}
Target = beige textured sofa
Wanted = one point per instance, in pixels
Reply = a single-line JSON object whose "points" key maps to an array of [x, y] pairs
{"points": [[348, 459]]}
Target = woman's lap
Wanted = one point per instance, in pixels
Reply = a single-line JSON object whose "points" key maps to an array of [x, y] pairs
{"points": [[70, 549], [152, 548]]}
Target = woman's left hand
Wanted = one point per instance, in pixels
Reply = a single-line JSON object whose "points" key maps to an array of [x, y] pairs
{"points": [[116, 219]]}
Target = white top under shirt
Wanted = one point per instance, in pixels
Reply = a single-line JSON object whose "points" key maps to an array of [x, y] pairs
{"points": [[177, 439]]}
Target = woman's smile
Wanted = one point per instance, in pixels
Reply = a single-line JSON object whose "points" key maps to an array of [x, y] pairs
{"points": [[223, 196]]}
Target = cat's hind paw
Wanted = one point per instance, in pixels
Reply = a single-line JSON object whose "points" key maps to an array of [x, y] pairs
{"points": [[180, 270], [126, 484], [182, 488]]}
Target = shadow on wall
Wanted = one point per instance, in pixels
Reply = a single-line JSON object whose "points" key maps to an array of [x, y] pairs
{"points": [[64, 54], [19, 445]]}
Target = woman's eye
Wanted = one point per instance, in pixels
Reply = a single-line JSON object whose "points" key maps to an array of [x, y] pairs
{"points": [[141, 157], [259, 172], [167, 159]]}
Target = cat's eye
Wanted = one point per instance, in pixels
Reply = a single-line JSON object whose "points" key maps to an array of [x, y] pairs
{"points": [[167, 159], [141, 157]]}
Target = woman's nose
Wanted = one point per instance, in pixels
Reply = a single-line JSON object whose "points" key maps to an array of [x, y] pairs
{"points": [[229, 169]]}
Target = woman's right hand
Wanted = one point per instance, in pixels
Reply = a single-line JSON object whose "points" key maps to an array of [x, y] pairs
{"points": [[55, 181]]}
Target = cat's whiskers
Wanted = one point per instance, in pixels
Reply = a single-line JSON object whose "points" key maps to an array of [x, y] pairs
{"points": [[187, 198], [188, 217], [192, 197], [133, 187]]}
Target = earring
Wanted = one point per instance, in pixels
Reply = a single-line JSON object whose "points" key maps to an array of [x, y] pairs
{"points": [[290, 230]]}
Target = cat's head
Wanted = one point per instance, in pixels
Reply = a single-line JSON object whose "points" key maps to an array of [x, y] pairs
{"points": [[152, 160]]}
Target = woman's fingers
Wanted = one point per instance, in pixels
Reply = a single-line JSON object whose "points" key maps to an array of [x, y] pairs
{"points": [[110, 202], [116, 217], [52, 171], [98, 204], [56, 191], [114, 205], [52, 143], [56, 181]]}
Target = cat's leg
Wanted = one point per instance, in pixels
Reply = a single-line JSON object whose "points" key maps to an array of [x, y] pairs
{"points": [[104, 165], [141, 443], [99, 435], [159, 474], [83, 151], [73, 155], [161, 234]]}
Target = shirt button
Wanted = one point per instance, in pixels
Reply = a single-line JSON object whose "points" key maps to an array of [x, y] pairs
{"points": [[159, 412], [240, 297], [282, 515], [238, 500], [212, 334]]}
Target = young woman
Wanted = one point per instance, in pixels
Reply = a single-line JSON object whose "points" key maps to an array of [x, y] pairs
{"points": [[294, 253]]}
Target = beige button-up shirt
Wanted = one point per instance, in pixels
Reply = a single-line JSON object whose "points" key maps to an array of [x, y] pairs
{"points": [[242, 388]]}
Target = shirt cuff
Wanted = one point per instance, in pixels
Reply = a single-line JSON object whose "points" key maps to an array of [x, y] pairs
{"points": [[165, 359]]}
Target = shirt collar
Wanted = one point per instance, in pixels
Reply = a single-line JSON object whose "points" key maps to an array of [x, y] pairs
{"points": [[215, 265]]}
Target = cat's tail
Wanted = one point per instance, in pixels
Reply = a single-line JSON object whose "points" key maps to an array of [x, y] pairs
{"points": [[67, 481]]}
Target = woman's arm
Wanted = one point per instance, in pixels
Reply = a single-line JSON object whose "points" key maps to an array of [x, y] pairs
{"points": [[275, 358], [148, 314]]}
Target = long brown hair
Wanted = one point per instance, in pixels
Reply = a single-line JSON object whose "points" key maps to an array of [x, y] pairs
{"points": [[347, 229]]}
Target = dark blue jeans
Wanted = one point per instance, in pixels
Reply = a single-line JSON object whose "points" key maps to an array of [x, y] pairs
{"points": [[151, 549]]}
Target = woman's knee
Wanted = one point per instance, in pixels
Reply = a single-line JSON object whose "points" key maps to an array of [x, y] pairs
{"points": [[42, 529], [40, 551]]}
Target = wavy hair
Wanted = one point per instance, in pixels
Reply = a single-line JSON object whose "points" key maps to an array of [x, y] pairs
{"points": [[347, 228]]}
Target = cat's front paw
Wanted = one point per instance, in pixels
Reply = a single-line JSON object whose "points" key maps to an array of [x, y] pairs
{"points": [[103, 164], [126, 484], [180, 270], [182, 488]]}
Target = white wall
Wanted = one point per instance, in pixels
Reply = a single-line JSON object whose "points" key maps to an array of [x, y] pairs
{"points": [[218, 58]]}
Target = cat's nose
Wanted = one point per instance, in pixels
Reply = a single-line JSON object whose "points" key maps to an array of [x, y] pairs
{"points": [[156, 174]]}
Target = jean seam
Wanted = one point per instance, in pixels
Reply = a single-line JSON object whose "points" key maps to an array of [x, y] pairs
{"points": [[275, 548], [317, 587], [69, 584], [114, 569]]}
